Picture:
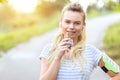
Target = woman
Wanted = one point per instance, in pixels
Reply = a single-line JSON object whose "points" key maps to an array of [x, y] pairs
{"points": [[69, 57]]}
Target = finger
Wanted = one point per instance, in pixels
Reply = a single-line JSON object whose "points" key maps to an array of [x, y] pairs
{"points": [[65, 39], [68, 41], [65, 48], [65, 43]]}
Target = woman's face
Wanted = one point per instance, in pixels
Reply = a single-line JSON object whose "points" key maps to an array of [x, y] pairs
{"points": [[71, 24]]}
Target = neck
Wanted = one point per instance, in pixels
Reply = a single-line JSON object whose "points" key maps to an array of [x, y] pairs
{"points": [[75, 40]]}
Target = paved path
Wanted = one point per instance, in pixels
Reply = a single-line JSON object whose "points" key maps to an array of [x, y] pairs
{"points": [[22, 62]]}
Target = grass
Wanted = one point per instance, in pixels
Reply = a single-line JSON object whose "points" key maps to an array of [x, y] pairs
{"points": [[111, 41], [1, 33], [11, 39]]}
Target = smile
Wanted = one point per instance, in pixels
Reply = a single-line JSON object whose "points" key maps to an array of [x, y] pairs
{"points": [[71, 31]]}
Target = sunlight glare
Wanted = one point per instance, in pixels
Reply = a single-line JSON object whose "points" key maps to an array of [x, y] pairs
{"points": [[23, 5], [115, 0], [100, 4]]}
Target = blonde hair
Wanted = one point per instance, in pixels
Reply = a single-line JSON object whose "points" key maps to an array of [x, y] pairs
{"points": [[75, 7], [77, 50]]}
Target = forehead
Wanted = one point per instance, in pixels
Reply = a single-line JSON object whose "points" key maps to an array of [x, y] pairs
{"points": [[72, 15]]}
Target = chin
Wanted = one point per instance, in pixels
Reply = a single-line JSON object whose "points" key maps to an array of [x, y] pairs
{"points": [[72, 37]]}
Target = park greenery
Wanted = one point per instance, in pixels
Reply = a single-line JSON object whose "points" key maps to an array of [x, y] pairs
{"points": [[16, 28], [111, 41]]}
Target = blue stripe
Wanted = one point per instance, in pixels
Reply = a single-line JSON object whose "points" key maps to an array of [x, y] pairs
{"points": [[70, 71]]}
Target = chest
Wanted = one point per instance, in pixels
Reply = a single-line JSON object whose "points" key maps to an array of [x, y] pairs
{"points": [[75, 70]]}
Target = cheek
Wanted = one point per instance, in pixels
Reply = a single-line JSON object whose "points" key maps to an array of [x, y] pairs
{"points": [[78, 31], [64, 26], [63, 30]]}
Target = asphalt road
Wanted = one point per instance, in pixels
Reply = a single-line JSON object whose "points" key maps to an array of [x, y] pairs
{"points": [[22, 62]]}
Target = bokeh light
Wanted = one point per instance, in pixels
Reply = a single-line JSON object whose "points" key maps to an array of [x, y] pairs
{"points": [[23, 5]]}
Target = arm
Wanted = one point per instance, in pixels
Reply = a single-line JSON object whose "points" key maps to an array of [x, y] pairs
{"points": [[113, 75], [49, 72]]}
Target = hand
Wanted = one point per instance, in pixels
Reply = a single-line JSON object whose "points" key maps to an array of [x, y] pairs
{"points": [[63, 46], [117, 77]]}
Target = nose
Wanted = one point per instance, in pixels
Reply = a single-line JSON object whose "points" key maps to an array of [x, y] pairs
{"points": [[71, 25]]}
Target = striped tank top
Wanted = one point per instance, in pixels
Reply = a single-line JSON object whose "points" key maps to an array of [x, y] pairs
{"points": [[73, 71]]}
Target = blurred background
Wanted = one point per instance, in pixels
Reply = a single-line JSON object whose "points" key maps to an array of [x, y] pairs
{"points": [[21, 20]]}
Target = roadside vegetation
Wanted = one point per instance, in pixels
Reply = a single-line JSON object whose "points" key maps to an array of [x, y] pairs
{"points": [[95, 13], [12, 38], [16, 28], [111, 41]]}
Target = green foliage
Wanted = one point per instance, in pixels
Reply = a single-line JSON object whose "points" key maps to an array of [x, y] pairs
{"points": [[93, 13], [47, 8], [111, 41], [115, 6], [112, 36], [7, 14], [109, 7], [11, 39]]}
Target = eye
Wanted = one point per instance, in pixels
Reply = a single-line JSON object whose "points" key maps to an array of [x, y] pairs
{"points": [[77, 23], [67, 21]]}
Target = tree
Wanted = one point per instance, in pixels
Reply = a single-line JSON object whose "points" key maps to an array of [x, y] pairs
{"points": [[47, 8], [1, 1]]}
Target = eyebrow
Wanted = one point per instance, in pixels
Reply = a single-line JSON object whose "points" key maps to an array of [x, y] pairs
{"points": [[77, 21], [70, 20]]}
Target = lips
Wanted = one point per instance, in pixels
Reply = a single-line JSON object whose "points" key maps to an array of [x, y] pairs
{"points": [[71, 32]]}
